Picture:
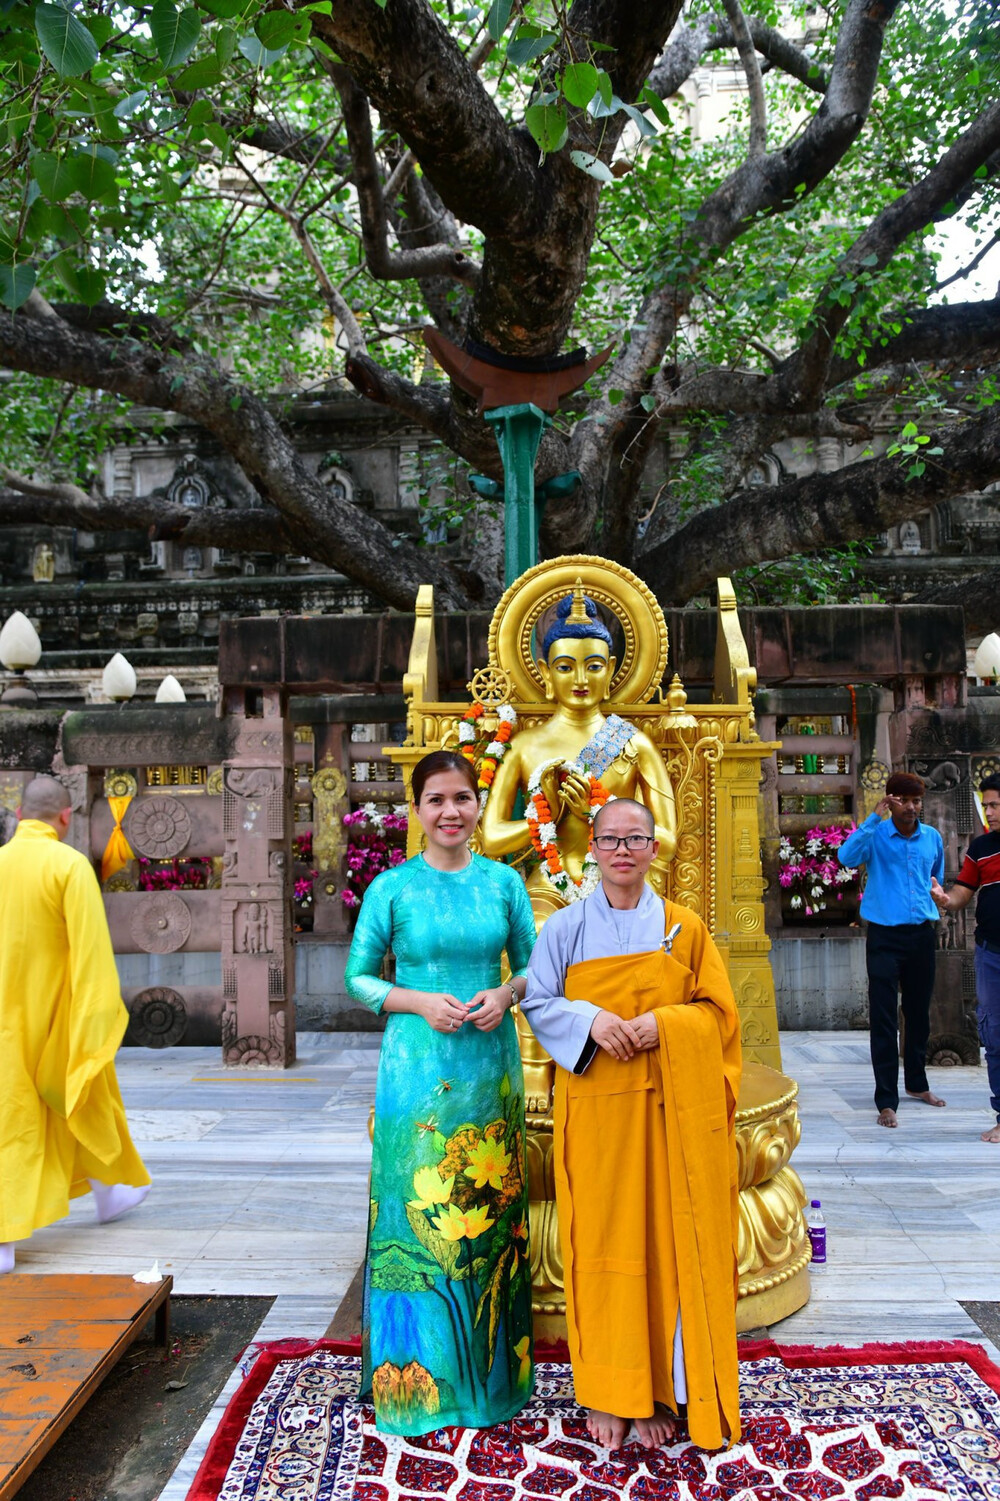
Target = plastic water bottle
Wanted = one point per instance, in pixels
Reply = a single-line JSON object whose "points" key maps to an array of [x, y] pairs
{"points": [[817, 1232]]}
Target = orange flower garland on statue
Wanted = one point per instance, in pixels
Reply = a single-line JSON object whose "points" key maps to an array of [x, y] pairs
{"points": [[544, 834], [495, 750]]}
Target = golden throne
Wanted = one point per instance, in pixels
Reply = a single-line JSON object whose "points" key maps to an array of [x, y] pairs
{"points": [[712, 756]]}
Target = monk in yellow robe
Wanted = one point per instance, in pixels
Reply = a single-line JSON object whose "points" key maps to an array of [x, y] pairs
{"points": [[630, 996], [62, 1121]]}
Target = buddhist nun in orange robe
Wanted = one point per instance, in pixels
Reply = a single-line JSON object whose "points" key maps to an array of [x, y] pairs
{"points": [[645, 1158], [63, 1130]]}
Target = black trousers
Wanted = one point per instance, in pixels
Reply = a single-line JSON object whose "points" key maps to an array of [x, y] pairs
{"points": [[900, 962]]}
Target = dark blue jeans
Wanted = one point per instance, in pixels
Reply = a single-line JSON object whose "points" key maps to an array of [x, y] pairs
{"points": [[988, 1017], [900, 969]]}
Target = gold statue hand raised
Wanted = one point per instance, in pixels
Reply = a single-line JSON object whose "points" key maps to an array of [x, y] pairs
{"points": [[575, 792]]}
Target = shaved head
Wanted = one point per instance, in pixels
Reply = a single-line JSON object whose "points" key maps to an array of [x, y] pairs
{"points": [[629, 804], [44, 798]]}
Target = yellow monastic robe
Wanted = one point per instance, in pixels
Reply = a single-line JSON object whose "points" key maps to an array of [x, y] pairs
{"points": [[646, 1188], [62, 1020]]}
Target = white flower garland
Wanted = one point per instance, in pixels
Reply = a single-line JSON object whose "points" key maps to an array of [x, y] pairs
{"points": [[545, 838]]}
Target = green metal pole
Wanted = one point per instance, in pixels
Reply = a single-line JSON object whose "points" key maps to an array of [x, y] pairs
{"points": [[518, 431]]}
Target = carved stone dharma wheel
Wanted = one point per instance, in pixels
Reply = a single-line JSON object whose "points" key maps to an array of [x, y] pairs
{"points": [[698, 768]]}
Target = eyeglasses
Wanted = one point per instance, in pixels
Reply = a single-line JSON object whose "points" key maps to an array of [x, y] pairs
{"points": [[608, 842]]}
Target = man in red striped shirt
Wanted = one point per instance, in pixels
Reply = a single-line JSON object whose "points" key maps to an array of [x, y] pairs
{"points": [[981, 874]]}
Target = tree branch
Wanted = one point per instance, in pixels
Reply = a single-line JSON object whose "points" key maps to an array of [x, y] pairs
{"points": [[30, 502], [806, 515], [326, 527], [436, 259], [755, 86]]}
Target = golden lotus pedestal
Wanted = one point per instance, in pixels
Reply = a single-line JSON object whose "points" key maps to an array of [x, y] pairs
{"points": [[774, 1247]]}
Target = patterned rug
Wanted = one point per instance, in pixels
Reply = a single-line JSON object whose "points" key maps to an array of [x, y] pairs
{"points": [[918, 1422]]}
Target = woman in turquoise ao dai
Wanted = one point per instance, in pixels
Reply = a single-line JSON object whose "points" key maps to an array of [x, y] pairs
{"points": [[447, 1312]]}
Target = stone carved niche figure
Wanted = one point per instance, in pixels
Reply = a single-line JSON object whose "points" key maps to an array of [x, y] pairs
{"points": [[255, 925], [561, 755], [43, 568]]}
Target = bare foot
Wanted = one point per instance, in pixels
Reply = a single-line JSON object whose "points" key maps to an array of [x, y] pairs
{"points": [[926, 1096], [661, 1428], [887, 1117], [608, 1430], [992, 1135]]}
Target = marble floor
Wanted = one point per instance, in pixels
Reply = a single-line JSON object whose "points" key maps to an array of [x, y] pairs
{"points": [[260, 1187]]}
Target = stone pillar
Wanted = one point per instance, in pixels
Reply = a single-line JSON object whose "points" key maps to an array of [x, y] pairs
{"points": [[740, 909], [258, 973]]}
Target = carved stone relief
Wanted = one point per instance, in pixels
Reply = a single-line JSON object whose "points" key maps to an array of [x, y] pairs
{"points": [[161, 924], [158, 827], [157, 1018]]}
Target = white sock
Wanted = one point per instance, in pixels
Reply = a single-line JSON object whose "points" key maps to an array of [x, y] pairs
{"points": [[6, 1256], [115, 1199]]}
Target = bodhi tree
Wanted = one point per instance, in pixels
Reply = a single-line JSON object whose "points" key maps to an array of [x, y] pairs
{"points": [[205, 208]]}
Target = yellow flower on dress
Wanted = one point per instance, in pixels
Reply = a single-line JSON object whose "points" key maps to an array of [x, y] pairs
{"points": [[451, 1223], [454, 1225], [523, 1352], [476, 1222], [429, 1189], [488, 1161]]}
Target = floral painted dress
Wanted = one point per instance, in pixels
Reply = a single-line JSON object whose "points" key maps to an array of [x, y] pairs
{"points": [[447, 1321]]}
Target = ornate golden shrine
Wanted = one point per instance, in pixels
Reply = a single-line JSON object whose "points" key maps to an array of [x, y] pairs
{"points": [[713, 756]]}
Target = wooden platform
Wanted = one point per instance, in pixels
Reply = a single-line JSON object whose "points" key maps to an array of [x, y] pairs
{"points": [[59, 1338]]}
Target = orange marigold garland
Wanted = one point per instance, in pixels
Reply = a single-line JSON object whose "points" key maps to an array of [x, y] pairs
{"points": [[545, 838], [496, 749]]}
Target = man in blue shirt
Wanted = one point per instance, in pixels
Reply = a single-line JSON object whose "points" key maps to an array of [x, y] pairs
{"points": [[902, 856]]}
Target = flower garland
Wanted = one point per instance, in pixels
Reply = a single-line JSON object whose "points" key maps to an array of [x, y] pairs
{"points": [[468, 736], [544, 835]]}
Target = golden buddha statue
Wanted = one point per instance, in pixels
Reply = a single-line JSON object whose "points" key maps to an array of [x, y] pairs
{"points": [[562, 758]]}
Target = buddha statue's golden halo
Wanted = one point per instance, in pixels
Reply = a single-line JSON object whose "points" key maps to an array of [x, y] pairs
{"points": [[611, 586]]}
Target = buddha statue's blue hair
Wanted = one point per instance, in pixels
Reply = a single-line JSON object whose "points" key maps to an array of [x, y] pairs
{"points": [[562, 627]]}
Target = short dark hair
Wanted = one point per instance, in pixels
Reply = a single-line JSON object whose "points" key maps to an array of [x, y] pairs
{"points": [[441, 760], [625, 802], [905, 784], [990, 783]]}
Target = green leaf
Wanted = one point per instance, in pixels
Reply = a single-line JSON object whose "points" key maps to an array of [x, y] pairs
{"points": [[218, 136], [530, 42], [655, 103], [499, 16], [647, 401], [505, 1086], [228, 10], [592, 166], [203, 74], [66, 42], [225, 45], [440, 1142], [89, 173], [615, 396], [16, 284], [579, 83], [547, 124], [175, 32], [646, 127], [84, 283], [101, 28], [277, 28], [257, 54], [129, 105]]}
